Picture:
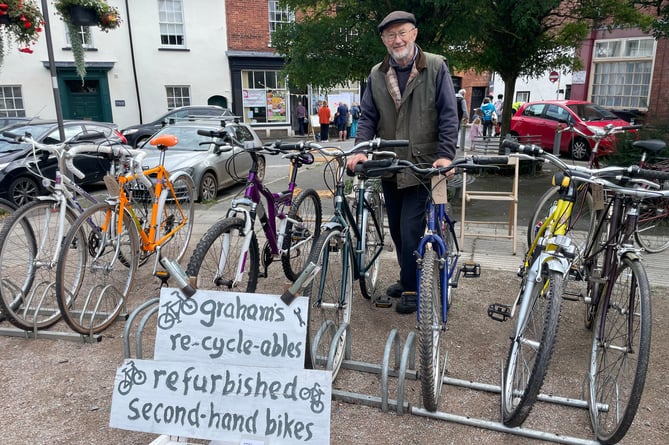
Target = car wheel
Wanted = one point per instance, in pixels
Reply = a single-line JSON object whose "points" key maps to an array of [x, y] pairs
{"points": [[208, 187], [580, 149], [23, 190], [261, 168]]}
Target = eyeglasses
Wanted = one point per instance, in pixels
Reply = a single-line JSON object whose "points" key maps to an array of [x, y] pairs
{"points": [[391, 36]]}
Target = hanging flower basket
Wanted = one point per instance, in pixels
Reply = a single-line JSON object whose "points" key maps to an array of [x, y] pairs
{"points": [[80, 16], [20, 22], [78, 13]]}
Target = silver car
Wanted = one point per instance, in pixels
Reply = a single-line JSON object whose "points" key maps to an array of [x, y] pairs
{"points": [[211, 167]]}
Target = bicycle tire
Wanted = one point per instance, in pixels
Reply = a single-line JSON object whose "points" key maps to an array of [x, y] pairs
{"points": [[582, 219], [652, 232], [96, 268], [6, 210], [177, 208], [618, 366], [330, 295], [224, 240], [531, 349], [299, 239], [429, 327], [372, 232], [27, 270]]}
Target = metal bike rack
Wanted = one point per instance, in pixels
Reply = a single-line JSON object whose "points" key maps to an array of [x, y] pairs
{"points": [[405, 368], [52, 335]]}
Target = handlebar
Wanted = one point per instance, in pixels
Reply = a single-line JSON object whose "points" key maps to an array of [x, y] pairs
{"points": [[601, 132], [377, 167]]}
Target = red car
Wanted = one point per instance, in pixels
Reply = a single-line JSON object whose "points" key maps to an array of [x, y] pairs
{"points": [[543, 118]]}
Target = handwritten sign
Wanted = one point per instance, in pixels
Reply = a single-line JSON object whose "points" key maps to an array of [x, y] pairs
{"points": [[228, 327], [223, 402]]}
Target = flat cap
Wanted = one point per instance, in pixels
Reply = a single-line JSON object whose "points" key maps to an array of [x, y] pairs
{"points": [[397, 17]]}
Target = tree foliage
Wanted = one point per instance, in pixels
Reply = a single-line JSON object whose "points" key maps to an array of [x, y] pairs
{"points": [[332, 43]]}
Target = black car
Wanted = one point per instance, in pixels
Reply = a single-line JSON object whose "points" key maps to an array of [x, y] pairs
{"points": [[137, 135], [18, 183]]}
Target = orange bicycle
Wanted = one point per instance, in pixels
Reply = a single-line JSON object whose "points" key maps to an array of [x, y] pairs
{"points": [[148, 211]]}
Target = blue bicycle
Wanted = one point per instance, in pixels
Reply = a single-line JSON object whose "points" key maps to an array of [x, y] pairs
{"points": [[437, 264]]}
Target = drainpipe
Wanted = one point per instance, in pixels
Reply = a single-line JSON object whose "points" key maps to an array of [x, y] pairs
{"points": [[134, 66]]}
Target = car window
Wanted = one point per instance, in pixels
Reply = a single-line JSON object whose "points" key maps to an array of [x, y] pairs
{"points": [[54, 136], [556, 113], [241, 133], [534, 110], [592, 112]]}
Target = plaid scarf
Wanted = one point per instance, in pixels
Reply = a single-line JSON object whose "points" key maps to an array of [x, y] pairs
{"points": [[393, 85]]}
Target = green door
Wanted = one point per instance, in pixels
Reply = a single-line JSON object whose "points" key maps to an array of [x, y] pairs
{"points": [[88, 100]]}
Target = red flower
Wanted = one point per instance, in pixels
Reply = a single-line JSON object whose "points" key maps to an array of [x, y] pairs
{"points": [[26, 50]]}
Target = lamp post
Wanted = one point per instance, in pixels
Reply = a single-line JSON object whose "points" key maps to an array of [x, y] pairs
{"points": [[52, 70]]}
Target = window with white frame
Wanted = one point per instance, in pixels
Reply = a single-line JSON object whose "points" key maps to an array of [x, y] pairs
{"points": [[86, 37], [264, 97], [11, 101], [278, 16], [522, 96], [622, 72], [177, 96], [171, 18]]}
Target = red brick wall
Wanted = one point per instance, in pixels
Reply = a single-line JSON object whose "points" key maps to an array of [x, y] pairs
{"points": [[658, 108], [248, 25]]}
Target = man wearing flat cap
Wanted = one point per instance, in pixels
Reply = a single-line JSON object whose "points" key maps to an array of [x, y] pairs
{"points": [[409, 95]]}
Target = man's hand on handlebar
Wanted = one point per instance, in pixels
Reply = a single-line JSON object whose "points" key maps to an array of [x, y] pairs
{"points": [[444, 162], [355, 159]]}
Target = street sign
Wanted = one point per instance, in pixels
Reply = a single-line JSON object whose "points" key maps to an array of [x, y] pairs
{"points": [[553, 76]]}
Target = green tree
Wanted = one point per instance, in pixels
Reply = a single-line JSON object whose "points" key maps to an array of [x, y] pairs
{"points": [[331, 43]]}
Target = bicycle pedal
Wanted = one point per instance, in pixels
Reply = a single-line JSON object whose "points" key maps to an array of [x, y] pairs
{"points": [[163, 276], [384, 302], [499, 312], [471, 270]]}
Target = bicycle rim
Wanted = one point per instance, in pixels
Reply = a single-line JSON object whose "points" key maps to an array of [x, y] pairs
{"points": [[299, 237], [619, 359], [531, 349], [373, 226], [27, 264], [329, 295], [216, 258], [178, 210], [653, 227], [96, 268], [429, 324]]}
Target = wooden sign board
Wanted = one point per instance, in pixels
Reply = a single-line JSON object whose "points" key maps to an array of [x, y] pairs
{"points": [[230, 327], [236, 404]]}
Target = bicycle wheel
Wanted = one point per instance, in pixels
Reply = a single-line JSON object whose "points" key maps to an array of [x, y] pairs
{"points": [[531, 349], [329, 295], [652, 231], [299, 238], [429, 326], [28, 252], [177, 209], [620, 353], [216, 259], [96, 268], [6, 210], [372, 239], [581, 222]]}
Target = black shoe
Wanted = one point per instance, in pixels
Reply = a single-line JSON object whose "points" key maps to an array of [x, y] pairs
{"points": [[395, 290], [408, 303]]}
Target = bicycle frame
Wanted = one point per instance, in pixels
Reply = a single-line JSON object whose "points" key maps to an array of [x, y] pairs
{"points": [[163, 185], [251, 207], [437, 221]]}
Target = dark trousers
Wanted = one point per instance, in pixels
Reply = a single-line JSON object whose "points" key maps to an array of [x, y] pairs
{"points": [[324, 131], [487, 128], [406, 219], [301, 125]]}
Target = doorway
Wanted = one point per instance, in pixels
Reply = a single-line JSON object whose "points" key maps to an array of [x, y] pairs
{"points": [[87, 100]]}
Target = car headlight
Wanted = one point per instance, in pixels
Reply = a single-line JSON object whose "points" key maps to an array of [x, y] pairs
{"points": [[595, 130], [4, 165], [128, 132]]}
